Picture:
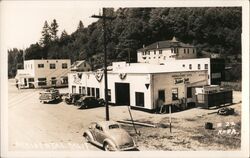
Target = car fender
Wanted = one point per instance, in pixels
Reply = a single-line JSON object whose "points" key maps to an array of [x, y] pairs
{"points": [[111, 142], [89, 134]]}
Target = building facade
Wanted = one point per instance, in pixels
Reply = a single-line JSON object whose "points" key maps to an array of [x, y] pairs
{"points": [[81, 65], [140, 85], [168, 50], [43, 73]]}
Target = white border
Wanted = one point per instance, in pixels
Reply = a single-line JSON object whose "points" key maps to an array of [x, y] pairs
{"points": [[244, 152]]}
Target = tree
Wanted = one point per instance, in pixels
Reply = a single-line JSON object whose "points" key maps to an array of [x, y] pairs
{"points": [[46, 37], [53, 30], [80, 26]]}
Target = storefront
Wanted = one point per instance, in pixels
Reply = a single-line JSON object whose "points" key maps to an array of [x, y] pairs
{"points": [[140, 85]]}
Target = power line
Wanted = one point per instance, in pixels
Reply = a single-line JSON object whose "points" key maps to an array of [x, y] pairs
{"points": [[104, 18]]}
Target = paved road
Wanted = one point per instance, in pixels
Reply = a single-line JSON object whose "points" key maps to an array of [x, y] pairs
{"points": [[37, 126]]}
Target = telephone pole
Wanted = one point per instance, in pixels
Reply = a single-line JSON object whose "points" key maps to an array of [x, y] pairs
{"points": [[104, 18]]}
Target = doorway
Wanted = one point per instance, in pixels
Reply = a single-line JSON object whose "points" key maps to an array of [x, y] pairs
{"points": [[122, 95]]}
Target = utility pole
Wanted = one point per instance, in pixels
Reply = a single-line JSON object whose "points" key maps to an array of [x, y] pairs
{"points": [[104, 18]]}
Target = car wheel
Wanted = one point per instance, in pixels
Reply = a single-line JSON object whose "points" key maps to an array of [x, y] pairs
{"points": [[108, 147]]}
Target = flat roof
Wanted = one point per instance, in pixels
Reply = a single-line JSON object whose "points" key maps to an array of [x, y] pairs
{"points": [[45, 59], [149, 68]]}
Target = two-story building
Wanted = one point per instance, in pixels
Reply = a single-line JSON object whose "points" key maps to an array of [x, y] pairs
{"points": [[162, 51], [171, 52], [43, 73]]}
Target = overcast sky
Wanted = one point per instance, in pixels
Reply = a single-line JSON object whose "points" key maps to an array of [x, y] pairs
{"points": [[21, 22]]}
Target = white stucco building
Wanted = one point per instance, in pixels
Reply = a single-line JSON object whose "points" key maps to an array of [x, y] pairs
{"points": [[43, 73], [142, 85], [167, 50]]}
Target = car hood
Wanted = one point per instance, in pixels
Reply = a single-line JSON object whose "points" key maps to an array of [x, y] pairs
{"points": [[120, 136]]}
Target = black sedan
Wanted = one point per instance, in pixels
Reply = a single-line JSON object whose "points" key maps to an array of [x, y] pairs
{"points": [[86, 102]]}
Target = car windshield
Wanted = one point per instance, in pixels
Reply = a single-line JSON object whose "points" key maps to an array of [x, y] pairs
{"points": [[114, 126]]}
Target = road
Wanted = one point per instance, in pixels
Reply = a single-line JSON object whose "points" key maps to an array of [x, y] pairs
{"points": [[36, 126]]}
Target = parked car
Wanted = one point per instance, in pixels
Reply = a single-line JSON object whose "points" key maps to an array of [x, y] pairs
{"points": [[72, 98], [86, 102], [225, 111], [110, 136], [49, 95]]}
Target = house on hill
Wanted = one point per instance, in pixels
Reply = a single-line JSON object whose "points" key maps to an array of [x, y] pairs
{"points": [[162, 51], [81, 65]]}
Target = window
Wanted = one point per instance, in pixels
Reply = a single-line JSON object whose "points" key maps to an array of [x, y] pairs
{"points": [[84, 64], [40, 65], [188, 50], [206, 66], [97, 92], [88, 91], [80, 90], [93, 92], [172, 50], [64, 80], [165, 57], [190, 66], [184, 51], [114, 126], [42, 82], [154, 52], [175, 94], [83, 91], [98, 127], [53, 80], [73, 89], [193, 51], [161, 95], [31, 79], [160, 51], [109, 95], [52, 66], [199, 66], [64, 66], [189, 92], [139, 99], [183, 65]]}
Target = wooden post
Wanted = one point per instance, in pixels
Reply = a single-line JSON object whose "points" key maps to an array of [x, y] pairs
{"points": [[170, 121]]}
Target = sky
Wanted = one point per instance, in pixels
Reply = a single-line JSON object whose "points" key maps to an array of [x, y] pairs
{"points": [[22, 21]]}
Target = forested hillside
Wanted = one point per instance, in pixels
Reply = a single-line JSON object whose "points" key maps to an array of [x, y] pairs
{"points": [[210, 29]]}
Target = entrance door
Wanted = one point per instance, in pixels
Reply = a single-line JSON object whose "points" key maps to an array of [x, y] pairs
{"points": [[122, 95]]}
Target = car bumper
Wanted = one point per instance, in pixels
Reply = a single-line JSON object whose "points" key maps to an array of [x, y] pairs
{"points": [[127, 148]]}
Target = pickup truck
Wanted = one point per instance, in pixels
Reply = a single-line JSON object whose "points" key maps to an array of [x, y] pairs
{"points": [[49, 95]]}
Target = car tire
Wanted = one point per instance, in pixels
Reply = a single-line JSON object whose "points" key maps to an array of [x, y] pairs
{"points": [[108, 147]]}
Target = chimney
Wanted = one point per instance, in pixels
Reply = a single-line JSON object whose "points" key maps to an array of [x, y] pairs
{"points": [[157, 46]]}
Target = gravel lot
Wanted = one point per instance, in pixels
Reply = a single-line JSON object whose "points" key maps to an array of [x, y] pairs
{"points": [[37, 126]]}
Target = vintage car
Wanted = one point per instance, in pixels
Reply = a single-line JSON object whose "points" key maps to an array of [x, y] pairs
{"points": [[110, 136], [49, 95], [72, 98], [86, 102]]}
